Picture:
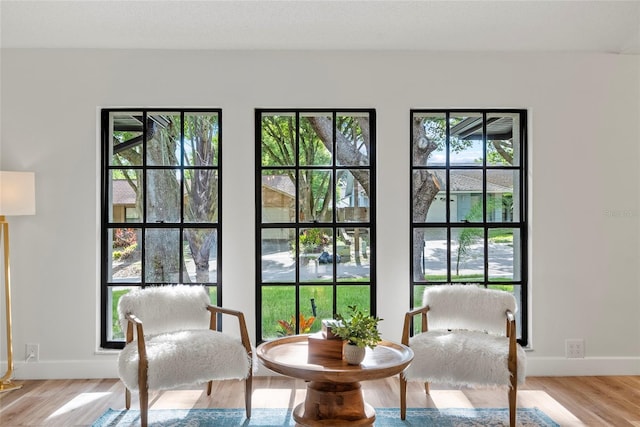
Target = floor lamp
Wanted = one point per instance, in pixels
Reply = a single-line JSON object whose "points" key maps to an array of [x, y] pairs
{"points": [[17, 197]]}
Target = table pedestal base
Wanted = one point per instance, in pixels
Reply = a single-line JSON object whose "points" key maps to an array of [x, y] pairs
{"points": [[331, 404]]}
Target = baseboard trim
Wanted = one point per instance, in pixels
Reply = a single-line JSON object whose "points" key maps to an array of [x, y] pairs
{"points": [[588, 366], [536, 366], [68, 369]]}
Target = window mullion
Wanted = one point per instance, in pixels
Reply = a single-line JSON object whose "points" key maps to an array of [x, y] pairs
{"points": [[485, 200], [143, 223], [182, 187]]}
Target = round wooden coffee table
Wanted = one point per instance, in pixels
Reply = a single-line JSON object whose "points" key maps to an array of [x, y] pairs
{"points": [[334, 396]]}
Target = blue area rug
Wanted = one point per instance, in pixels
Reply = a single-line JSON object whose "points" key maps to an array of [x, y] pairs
{"points": [[385, 417]]}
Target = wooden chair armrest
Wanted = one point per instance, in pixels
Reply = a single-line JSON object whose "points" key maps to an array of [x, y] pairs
{"points": [[510, 316], [511, 323], [408, 317], [132, 321], [513, 344], [143, 362], [133, 318], [244, 334], [216, 309]]}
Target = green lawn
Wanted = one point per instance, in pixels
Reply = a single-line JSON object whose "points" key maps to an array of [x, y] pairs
{"points": [[278, 303]]}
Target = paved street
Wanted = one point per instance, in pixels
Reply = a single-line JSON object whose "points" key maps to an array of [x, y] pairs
{"points": [[279, 266]]}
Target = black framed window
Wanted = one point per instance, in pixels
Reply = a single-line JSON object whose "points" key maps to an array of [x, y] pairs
{"points": [[161, 204], [468, 204], [315, 217]]}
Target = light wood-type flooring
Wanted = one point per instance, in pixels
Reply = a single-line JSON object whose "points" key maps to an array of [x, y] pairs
{"points": [[570, 401]]}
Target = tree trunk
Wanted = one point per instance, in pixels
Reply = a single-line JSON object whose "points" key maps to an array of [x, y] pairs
{"points": [[348, 153], [163, 197], [425, 188], [200, 243], [202, 190]]}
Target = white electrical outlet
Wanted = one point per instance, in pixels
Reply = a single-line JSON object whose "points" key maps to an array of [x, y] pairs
{"points": [[574, 348], [32, 352]]}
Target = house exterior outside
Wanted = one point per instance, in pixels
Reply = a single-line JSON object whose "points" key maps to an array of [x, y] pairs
{"points": [[124, 201], [466, 191]]}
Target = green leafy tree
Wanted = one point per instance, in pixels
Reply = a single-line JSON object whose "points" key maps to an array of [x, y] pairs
{"points": [[163, 190], [352, 140], [429, 137], [468, 236], [316, 148], [279, 149], [500, 152]]}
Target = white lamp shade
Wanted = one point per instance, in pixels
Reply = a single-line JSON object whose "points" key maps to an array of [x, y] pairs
{"points": [[17, 193]]}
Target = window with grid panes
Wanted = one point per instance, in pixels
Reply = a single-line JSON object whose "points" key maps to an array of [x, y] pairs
{"points": [[468, 203], [161, 203], [315, 217]]}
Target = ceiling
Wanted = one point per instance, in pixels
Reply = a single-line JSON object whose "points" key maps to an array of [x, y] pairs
{"points": [[427, 25]]}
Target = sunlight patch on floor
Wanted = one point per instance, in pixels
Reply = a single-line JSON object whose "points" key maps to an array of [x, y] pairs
{"points": [[77, 402], [551, 407], [479, 398], [526, 399], [177, 399], [271, 398], [450, 399], [277, 397]]}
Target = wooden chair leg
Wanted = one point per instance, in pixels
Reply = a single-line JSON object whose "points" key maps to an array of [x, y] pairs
{"points": [[426, 388], [209, 387], [512, 405], [144, 406], [403, 398], [248, 391], [513, 390], [127, 398]]}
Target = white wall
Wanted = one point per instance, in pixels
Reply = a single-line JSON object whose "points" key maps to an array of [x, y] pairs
{"points": [[584, 160]]}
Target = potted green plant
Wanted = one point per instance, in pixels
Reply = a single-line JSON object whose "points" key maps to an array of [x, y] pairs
{"points": [[360, 330]]}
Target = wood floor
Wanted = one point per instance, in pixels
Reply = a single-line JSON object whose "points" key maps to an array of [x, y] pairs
{"points": [[570, 401]]}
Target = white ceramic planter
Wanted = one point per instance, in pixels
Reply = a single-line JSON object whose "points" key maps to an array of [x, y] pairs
{"points": [[353, 354]]}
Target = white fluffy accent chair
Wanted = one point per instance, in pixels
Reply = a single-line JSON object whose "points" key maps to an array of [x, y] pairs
{"points": [[467, 338], [176, 343]]}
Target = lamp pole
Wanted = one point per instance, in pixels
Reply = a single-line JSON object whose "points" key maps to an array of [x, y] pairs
{"points": [[6, 382]]}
